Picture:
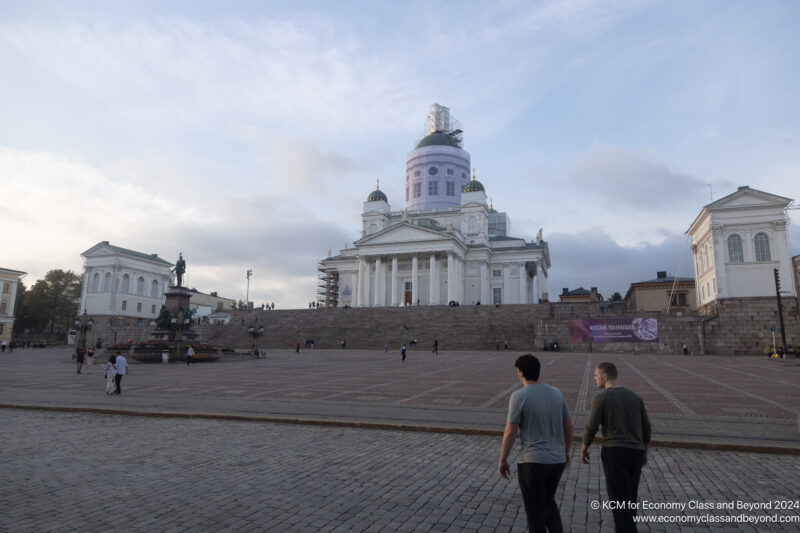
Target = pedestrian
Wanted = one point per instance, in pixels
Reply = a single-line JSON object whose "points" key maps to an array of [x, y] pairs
{"points": [[497, 344], [312, 343], [539, 413], [622, 416], [435, 346], [386, 348], [297, 347], [413, 341], [80, 353], [99, 343], [189, 355], [111, 372], [3, 346], [344, 343], [122, 368], [685, 349], [12, 345], [89, 359], [403, 352]]}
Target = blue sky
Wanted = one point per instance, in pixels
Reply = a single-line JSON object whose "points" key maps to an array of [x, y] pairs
{"points": [[247, 134]]}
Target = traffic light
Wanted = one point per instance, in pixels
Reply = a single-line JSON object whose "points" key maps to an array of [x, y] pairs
{"points": [[777, 279]]}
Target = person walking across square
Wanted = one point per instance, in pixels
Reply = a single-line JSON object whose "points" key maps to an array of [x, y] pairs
{"points": [[89, 359], [621, 414], [122, 369], [111, 372], [403, 352], [539, 413], [189, 355]]}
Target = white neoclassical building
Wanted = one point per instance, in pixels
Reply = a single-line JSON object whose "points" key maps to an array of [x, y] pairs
{"points": [[9, 284], [447, 245], [122, 282], [737, 242]]}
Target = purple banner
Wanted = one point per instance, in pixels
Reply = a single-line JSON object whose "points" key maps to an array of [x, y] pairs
{"points": [[614, 330]]}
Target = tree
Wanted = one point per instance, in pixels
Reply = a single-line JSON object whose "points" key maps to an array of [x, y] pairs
{"points": [[240, 305], [616, 297], [213, 293], [52, 302], [19, 309]]}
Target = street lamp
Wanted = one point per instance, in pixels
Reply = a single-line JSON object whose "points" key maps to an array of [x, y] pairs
{"points": [[247, 294], [83, 323], [256, 331]]}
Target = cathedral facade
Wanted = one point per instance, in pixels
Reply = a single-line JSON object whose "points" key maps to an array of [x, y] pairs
{"points": [[448, 246]]}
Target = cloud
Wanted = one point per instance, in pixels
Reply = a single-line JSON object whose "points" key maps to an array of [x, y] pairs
{"points": [[632, 179], [593, 258]]}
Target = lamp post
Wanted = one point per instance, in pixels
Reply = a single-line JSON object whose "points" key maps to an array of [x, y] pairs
{"points": [[247, 294], [83, 324], [256, 331]]}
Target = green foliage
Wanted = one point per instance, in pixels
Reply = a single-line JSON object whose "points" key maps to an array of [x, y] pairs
{"points": [[240, 306], [52, 302], [616, 297]]}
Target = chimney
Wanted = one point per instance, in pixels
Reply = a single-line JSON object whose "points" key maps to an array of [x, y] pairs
{"points": [[661, 275], [593, 294], [565, 290]]}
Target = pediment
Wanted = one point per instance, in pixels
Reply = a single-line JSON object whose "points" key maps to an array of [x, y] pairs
{"points": [[99, 249], [404, 232], [747, 197]]}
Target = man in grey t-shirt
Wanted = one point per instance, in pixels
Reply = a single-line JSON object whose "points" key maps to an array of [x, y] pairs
{"points": [[538, 412]]}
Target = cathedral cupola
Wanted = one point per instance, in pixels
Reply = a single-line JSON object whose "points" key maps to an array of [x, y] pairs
{"points": [[377, 195], [474, 185]]}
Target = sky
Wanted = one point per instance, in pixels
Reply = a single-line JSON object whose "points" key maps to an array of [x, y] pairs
{"points": [[247, 135]]}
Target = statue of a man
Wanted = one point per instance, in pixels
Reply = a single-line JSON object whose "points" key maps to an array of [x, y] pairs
{"points": [[180, 268]]}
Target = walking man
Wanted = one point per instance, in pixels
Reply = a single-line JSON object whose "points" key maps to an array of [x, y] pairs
{"points": [[436, 346], [539, 413], [403, 352], [122, 369], [189, 355], [626, 436]]}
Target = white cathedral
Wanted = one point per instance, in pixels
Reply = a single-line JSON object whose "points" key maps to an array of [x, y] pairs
{"points": [[448, 246]]}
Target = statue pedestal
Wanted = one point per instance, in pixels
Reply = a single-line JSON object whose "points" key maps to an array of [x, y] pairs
{"points": [[177, 299]]}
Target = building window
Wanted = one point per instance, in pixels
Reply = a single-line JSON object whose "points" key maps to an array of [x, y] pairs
{"points": [[372, 229], [2, 308], [463, 175], [497, 296], [418, 189], [451, 188], [107, 282], [735, 254], [416, 173], [407, 197], [6, 287], [126, 283], [124, 304], [450, 172], [140, 286], [139, 307], [433, 188], [472, 226], [678, 300], [96, 282], [153, 309], [762, 247], [154, 289], [497, 273], [408, 177], [1, 328]]}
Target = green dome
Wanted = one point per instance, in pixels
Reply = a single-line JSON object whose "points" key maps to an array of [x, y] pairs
{"points": [[377, 196], [438, 139], [474, 186]]}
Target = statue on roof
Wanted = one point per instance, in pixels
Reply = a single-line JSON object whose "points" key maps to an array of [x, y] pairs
{"points": [[539, 237], [180, 268]]}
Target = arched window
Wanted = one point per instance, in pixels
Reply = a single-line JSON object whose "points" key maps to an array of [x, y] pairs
{"points": [[762, 247], [735, 254], [107, 282], [472, 225], [140, 286], [154, 289], [96, 282], [126, 283], [372, 229]]}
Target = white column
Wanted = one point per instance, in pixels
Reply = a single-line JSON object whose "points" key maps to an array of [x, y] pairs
{"points": [[523, 284], [414, 291], [367, 283], [378, 285], [538, 281], [484, 285], [395, 303], [544, 285], [451, 281], [84, 292], [506, 284], [434, 293], [360, 289], [460, 280]]}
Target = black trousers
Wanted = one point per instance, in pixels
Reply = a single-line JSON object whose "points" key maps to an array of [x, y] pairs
{"points": [[118, 383], [538, 483], [623, 468]]}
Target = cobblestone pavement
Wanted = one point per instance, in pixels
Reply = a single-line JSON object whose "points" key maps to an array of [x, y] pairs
{"points": [[719, 401], [94, 472]]}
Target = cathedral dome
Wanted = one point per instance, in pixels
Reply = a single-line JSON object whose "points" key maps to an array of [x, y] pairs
{"points": [[438, 138], [377, 195], [474, 185]]}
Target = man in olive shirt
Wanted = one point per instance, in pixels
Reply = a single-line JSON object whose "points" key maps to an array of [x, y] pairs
{"points": [[626, 436]]}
